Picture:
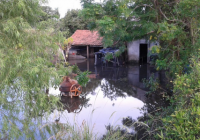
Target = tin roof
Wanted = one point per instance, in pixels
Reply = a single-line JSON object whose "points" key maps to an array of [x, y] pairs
{"points": [[86, 37]]}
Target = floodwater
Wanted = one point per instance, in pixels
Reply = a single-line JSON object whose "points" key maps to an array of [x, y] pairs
{"points": [[112, 95]]}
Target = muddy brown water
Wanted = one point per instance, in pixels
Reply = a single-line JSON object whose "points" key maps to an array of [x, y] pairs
{"points": [[115, 94]]}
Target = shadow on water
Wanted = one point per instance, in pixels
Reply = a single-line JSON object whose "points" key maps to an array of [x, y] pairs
{"points": [[74, 105], [115, 98]]}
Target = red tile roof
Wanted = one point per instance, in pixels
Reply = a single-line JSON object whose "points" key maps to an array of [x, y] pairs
{"points": [[86, 37]]}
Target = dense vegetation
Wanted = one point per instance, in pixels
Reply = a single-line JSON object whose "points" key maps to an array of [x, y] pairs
{"points": [[175, 24], [72, 22], [27, 46], [29, 33]]}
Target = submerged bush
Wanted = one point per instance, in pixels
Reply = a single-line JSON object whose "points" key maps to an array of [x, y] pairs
{"points": [[83, 78]]}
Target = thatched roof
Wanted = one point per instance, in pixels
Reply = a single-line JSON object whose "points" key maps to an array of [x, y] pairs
{"points": [[86, 37]]}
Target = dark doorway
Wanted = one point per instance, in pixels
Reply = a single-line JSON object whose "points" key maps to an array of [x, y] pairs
{"points": [[143, 53], [96, 49]]}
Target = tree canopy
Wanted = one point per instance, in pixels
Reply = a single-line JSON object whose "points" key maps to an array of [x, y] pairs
{"points": [[72, 22], [50, 13], [26, 49]]}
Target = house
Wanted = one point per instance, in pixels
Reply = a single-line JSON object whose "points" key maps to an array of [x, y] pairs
{"points": [[139, 50], [85, 44]]}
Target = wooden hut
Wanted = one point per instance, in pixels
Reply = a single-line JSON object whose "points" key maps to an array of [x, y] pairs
{"points": [[85, 43]]}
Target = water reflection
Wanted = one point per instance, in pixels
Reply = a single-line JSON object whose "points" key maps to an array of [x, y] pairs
{"points": [[75, 104], [113, 97]]}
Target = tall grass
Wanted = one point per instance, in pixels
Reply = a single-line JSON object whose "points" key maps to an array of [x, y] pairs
{"points": [[85, 130]]}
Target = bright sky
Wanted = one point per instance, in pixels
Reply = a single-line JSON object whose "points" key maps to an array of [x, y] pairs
{"points": [[64, 5]]}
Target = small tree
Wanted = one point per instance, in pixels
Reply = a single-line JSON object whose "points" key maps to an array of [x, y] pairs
{"points": [[65, 47]]}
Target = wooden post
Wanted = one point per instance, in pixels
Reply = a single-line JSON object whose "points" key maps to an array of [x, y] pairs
{"points": [[96, 58], [88, 65], [87, 52]]}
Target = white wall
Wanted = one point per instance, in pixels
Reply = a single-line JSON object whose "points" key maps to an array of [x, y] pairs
{"points": [[134, 49]]}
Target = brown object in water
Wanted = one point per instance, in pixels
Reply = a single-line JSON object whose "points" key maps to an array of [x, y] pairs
{"points": [[72, 81], [75, 90], [65, 85], [71, 86]]}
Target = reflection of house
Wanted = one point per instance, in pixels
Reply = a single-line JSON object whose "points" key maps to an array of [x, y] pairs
{"points": [[138, 50], [85, 43]]}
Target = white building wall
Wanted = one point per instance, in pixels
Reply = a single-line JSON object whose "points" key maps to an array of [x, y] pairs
{"points": [[134, 49]]}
